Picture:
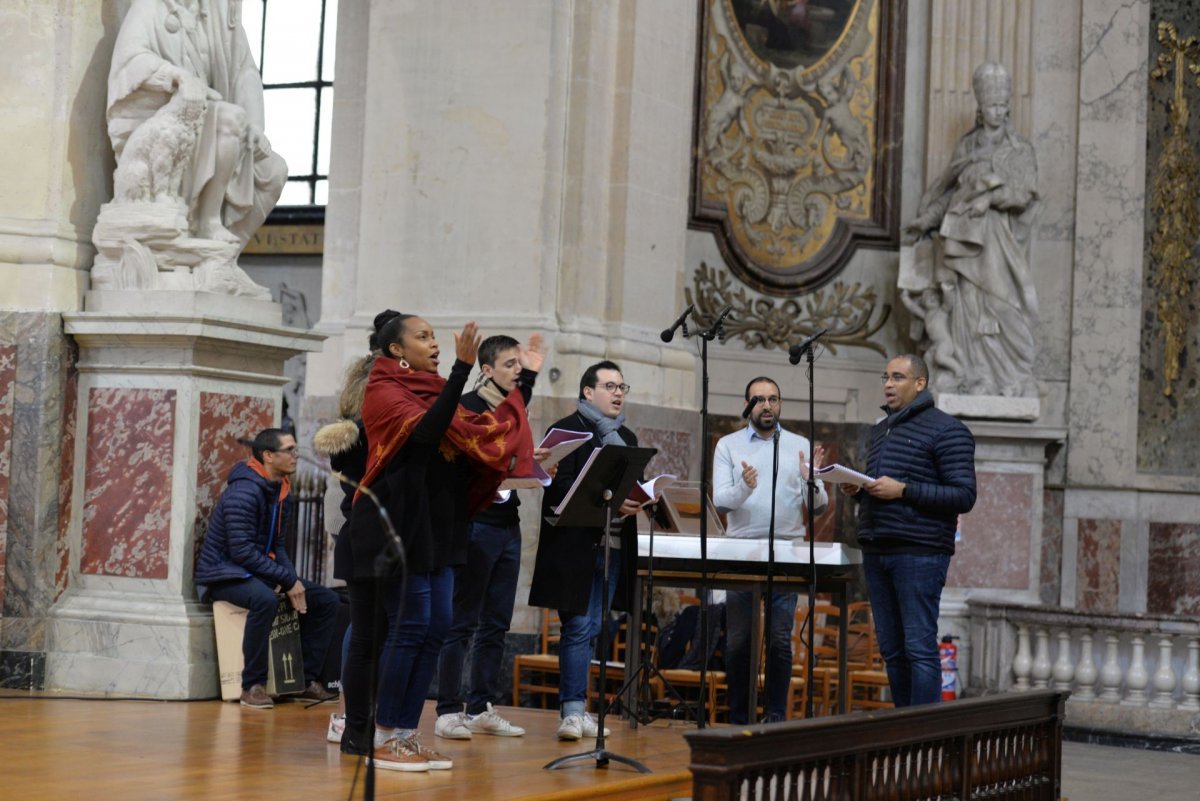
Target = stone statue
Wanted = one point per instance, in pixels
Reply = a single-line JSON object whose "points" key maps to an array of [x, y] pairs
{"points": [[982, 208], [195, 173]]}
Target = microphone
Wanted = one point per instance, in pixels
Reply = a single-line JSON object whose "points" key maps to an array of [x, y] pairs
{"points": [[796, 351], [721, 317], [669, 333], [750, 404]]}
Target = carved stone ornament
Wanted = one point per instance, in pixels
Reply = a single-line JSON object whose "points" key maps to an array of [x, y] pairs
{"points": [[195, 173], [796, 135], [844, 310]]}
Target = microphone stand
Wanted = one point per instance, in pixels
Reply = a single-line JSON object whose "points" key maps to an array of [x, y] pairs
{"points": [[770, 580], [706, 335], [807, 348], [392, 558]]}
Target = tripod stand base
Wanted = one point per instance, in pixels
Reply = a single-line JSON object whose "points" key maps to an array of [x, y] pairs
{"points": [[602, 757]]}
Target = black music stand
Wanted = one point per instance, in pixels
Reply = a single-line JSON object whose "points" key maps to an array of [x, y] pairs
{"points": [[601, 487]]}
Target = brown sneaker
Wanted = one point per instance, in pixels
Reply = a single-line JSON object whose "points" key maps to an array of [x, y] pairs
{"points": [[436, 761], [397, 754], [256, 698], [315, 691]]}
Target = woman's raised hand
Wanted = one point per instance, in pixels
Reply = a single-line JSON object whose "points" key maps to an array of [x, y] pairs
{"points": [[466, 343]]}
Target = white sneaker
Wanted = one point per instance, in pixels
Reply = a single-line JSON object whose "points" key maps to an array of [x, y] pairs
{"points": [[452, 726], [489, 722], [337, 725], [573, 727], [590, 729]]}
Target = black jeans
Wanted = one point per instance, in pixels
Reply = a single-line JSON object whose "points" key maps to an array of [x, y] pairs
{"points": [[485, 589], [260, 603]]}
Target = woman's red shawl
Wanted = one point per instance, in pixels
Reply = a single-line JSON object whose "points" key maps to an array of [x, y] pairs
{"points": [[498, 444]]}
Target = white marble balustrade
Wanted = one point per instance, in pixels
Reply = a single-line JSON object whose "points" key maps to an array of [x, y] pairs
{"points": [[1128, 670]]}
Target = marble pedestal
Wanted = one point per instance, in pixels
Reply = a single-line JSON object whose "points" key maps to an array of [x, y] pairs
{"points": [[1000, 551], [168, 381]]}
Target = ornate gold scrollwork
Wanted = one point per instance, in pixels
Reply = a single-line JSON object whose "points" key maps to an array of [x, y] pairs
{"points": [[844, 309], [1173, 203], [795, 157]]}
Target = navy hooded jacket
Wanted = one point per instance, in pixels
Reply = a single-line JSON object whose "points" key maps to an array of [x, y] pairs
{"points": [[244, 529], [933, 455]]}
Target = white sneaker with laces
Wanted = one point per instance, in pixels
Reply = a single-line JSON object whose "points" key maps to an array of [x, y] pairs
{"points": [[571, 727], [490, 722], [590, 729], [452, 726], [337, 725]]}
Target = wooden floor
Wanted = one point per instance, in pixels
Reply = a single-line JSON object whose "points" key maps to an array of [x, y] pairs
{"points": [[60, 748]]}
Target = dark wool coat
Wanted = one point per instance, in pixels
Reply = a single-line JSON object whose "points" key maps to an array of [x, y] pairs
{"points": [[566, 556], [933, 454]]}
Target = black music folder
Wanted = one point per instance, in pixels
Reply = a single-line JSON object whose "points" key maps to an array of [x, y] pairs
{"points": [[612, 467]]}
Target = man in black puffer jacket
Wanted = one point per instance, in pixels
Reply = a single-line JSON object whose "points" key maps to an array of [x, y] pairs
{"points": [[243, 560], [924, 463]]}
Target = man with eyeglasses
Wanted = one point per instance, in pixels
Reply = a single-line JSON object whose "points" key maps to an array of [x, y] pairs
{"points": [[243, 561], [924, 461], [568, 574], [742, 469]]}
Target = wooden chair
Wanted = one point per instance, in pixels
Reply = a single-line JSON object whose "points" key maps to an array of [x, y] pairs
{"points": [[542, 667], [867, 685]]}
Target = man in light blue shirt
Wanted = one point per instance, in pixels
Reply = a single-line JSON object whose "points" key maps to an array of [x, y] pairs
{"points": [[742, 470]]}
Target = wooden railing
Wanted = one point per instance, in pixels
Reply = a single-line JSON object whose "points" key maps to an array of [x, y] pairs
{"points": [[1002, 748]]}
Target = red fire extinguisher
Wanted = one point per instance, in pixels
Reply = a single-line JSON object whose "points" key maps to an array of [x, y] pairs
{"points": [[949, 654]]}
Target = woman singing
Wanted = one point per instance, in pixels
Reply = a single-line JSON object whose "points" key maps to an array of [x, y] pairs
{"points": [[432, 464]]}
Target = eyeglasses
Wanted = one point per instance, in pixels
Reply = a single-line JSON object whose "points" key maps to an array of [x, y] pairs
{"points": [[612, 387], [290, 450], [894, 377]]}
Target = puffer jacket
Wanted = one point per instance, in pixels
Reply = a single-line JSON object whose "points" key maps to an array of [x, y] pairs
{"points": [[933, 454], [344, 443], [245, 530]]}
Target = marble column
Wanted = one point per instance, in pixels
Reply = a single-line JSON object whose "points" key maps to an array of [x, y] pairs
{"points": [[167, 383], [999, 553]]}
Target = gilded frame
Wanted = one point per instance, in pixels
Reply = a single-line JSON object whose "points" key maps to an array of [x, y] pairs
{"points": [[796, 156]]}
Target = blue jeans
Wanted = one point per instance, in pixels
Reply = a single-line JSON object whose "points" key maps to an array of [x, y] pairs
{"points": [[485, 589], [410, 653], [906, 592], [575, 647], [738, 608], [260, 603]]}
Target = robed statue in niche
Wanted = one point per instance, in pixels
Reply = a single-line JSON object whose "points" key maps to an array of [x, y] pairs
{"points": [[980, 307], [196, 175]]}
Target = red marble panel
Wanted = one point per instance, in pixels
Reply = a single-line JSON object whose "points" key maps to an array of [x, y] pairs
{"points": [[127, 482], [1174, 582], [674, 451], [223, 420], [1098, 565], [1052, 536], [8, 376], [66, 473], [826, 526], [996, 535]]}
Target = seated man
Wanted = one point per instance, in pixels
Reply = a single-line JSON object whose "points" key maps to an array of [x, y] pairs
{"points": [[243, 561]]}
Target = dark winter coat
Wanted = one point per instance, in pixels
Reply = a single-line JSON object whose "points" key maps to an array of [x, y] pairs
{"points": [[933, 455], [245, 529], [566, 556]]}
